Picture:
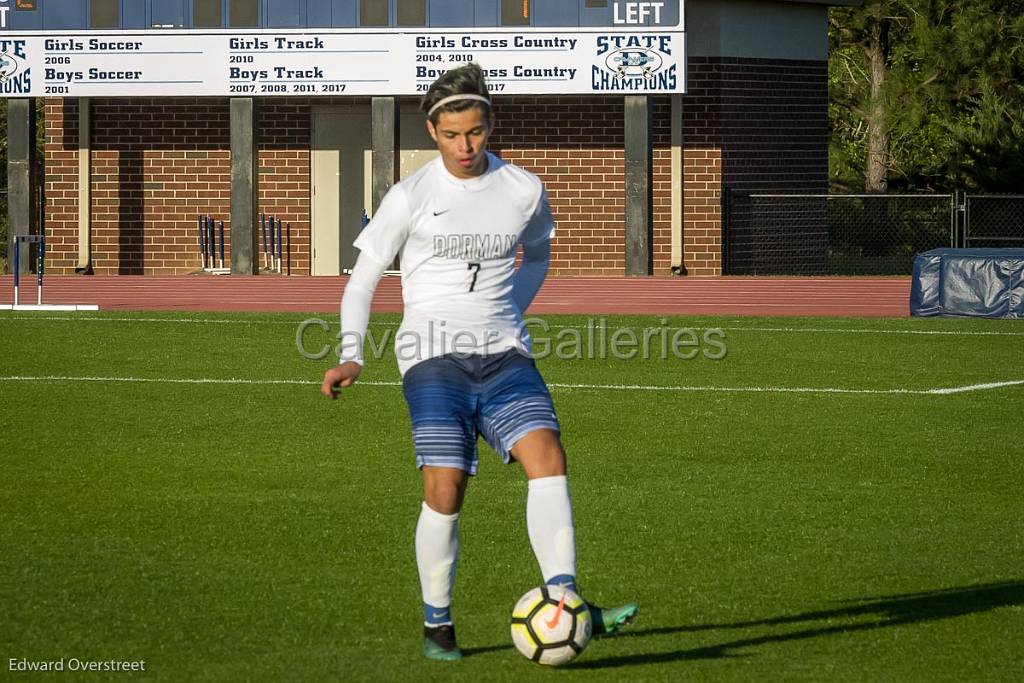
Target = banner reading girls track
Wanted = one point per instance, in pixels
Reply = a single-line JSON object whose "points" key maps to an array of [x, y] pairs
{"points": [[337, 62]]}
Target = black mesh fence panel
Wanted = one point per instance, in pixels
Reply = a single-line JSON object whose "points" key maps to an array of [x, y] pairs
{"points": [[994, 221], [789, 234]]}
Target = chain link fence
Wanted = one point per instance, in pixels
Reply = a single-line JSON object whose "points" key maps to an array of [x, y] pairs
{"points": [[818, 234], [993, 220]]}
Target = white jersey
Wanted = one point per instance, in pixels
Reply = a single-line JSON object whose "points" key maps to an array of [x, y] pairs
{"points": [[456, 239]]}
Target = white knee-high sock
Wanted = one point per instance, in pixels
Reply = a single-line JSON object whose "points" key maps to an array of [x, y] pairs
{"points": [[549, 522], [437, 552]]}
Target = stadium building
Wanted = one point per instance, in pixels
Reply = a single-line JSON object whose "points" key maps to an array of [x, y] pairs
{"points": [[636, 115]]}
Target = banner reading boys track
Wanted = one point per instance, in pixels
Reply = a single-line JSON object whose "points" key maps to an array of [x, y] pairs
{"points": [[337, 63]]}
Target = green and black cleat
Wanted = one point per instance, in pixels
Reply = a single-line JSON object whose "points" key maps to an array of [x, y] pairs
{"points": [[439, 643], [608, 620]]}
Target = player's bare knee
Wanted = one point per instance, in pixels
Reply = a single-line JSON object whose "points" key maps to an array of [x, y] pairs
{"points": [[443, 505], [444, 490], [443, 499], [541, 454], [550, 464]]}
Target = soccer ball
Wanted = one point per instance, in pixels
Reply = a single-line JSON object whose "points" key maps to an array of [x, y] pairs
{"points": [[551, 625]]}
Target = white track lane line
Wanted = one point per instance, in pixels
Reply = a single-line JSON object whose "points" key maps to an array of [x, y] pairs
{"points": [[942, 391]]}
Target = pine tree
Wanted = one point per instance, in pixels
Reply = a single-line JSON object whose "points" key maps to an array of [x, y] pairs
{"points": [[928, 94]]}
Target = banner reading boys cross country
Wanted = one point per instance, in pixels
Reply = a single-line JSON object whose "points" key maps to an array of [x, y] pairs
{"points": [[333, 62]]}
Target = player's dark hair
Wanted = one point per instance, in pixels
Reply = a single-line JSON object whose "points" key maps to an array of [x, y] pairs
{"points": [[465, 80]]}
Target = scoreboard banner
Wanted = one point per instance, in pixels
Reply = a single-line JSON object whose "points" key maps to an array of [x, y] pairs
{"points": [[339, 62]]}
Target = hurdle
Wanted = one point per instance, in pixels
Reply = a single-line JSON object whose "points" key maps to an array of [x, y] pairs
{"points": [[39, 240], [273, 236], [272, 245], [211, 245], [280, 245]]}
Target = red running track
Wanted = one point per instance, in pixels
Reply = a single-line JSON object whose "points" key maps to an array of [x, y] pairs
{"points": [[770, 296]]}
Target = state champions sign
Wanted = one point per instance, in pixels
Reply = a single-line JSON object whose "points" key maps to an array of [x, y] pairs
{"points": [[607, 60]]}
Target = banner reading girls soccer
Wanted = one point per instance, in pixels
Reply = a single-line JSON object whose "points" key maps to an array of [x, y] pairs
{"points": [[337, 62]]}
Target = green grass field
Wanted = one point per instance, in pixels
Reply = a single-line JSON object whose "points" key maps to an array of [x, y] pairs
{"points": [[246, 530]]}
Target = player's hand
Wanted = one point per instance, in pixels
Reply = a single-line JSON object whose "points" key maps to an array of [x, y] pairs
{"points": [[339, 377]]}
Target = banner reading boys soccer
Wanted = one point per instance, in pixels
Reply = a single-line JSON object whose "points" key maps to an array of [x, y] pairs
{"points": [[337, 62]]}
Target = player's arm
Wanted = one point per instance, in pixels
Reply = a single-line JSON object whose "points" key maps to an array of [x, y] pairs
{"points": [[531, 273], [378, 245], [355, 318], [536, 254]]}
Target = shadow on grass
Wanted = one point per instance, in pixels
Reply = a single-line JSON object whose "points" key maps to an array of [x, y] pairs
{"points": [[470, 651], [884, 612]]}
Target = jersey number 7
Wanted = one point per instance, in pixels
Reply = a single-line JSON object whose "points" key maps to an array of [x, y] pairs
{"points": [[475, 267]]}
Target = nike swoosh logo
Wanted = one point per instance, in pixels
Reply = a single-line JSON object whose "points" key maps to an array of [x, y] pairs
{"points": [[437, 615], [438, 213], [553, 622]]}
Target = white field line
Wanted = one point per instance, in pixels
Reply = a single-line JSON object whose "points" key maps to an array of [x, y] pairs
{"points": [[814, 330], [943, 391], [793, 390], [827, 330], [178, 380], [786, 330], [976, 387], [189, 321]]}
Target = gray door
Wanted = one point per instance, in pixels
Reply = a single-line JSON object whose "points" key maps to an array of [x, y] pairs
{"points": [[340, 142], [341, 170]]}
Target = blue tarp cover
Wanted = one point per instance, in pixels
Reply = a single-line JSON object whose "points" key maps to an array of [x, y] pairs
{"points": [[987, 283]]}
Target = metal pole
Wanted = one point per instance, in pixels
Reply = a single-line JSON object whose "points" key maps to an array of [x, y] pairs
{"points": [[965, 220], [220, 235], [211, 242], [954, 219], [273, 252], [280, 226], [263, 237], [40, 260], [202, 240], [17, 267], [41, 210]]}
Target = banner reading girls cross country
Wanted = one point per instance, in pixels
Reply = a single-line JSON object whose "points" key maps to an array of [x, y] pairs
{"points": [[338, 62]]}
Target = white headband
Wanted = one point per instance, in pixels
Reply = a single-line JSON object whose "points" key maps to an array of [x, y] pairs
{"points": [[452, 98]]}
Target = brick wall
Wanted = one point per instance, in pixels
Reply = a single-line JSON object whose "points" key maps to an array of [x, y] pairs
{"points": [[283, 132], [575, 145], [158, 162], [61, 183], [748, 124]]}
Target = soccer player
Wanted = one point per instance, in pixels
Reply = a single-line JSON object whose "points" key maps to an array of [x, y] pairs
{"points": [[462, 348]]}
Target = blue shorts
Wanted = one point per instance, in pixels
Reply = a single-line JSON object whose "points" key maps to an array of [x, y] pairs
{"points": [[453, 398]]}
